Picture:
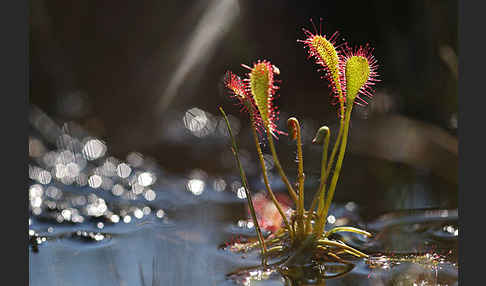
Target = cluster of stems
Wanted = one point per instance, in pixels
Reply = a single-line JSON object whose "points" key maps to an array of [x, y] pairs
{"points": [[311, 222], [351, 73]]}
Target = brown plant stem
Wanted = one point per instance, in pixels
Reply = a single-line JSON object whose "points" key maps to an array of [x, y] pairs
{"points": [[265, 177], [247, 190], [280, 170], [294, 124]]}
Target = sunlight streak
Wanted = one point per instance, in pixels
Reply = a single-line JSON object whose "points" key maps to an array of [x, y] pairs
{"points": [[213, 25]]}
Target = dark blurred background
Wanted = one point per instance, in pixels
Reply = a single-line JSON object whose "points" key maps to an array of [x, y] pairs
{"points": [[146, 76]]}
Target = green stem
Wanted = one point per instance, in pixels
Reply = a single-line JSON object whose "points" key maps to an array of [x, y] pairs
{"points": [[347, 229], [339, 136], [247, 190], [326, 242], [279, 167], [321, 222], [339, 163], [265, 177], [322, 219], [335, 148], [322, 187]]}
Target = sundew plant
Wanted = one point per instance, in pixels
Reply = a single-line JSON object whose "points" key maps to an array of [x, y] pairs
{"points": [[351, 73]]}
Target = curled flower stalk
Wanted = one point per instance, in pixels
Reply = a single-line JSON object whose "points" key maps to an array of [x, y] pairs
{"points": [[322, 137], [351, 73], [294, 127]]}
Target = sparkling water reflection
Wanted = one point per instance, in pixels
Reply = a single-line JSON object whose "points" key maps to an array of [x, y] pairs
{"points": [[100, 220]]}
